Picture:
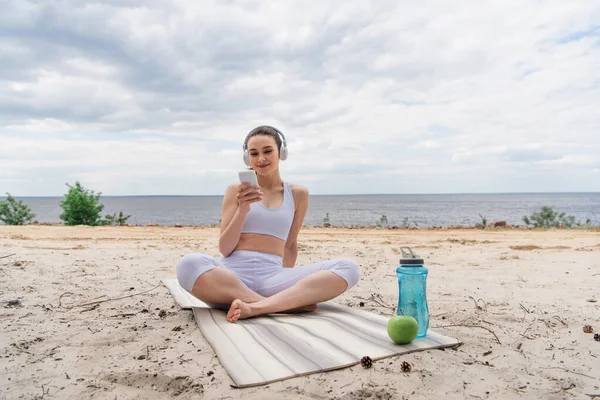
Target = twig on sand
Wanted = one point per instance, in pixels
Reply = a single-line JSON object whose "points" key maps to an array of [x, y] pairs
{"points": [[477, 306], [93, 331], [372, 298], [525, 308], [61, 296], [560, 319], [526, 311], [10, 255], [44, 391], [571, 386], [471, 326], [382, 302], [91, 303], [573, 372], [92, 308], [593, 396]]}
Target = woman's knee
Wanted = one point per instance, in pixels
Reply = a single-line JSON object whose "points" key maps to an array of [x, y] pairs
{"points": [[349, 270], [191, 266]]}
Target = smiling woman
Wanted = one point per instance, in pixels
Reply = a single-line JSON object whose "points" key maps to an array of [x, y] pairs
{"points": [[259, 242]]}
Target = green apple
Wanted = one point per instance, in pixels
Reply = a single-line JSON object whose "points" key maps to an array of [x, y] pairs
{"points": [[402, 329]]}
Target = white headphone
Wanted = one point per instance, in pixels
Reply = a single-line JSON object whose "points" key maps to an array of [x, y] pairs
{"points": [[283, 152]]}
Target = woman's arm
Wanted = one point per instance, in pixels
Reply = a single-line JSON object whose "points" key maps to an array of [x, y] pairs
{"points": [[236, 205], [290, 253]]}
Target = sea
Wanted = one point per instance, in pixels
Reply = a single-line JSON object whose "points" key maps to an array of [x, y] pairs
{"points": [[423, 210]]}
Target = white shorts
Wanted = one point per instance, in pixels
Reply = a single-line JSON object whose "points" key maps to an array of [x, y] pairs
{"points": [[263, 273]]}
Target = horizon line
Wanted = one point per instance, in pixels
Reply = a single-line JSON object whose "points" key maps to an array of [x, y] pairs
{"points": [[318, 194]]}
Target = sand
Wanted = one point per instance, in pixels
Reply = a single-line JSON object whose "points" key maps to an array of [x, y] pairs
{"points": [[518, 299]]}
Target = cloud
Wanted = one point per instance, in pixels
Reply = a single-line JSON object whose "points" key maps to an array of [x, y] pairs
{"points": [[426, 144], [154, 97]]}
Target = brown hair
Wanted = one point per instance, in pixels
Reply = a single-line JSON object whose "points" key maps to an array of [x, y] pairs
{"points": [[266, 131]]}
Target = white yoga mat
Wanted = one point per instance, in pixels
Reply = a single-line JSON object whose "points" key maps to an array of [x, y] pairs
{"points": [[267, 349]]}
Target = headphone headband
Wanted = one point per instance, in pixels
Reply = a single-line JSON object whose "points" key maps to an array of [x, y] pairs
{"points": [[283, 143], [283, 153]]}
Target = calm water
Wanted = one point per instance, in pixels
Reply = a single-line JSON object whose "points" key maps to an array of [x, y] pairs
{"points": [[425, 210]]}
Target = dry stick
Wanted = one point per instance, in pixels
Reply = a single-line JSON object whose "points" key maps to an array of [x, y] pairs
{"points": [[91, 308], [560, 319], [471, 326], [8, 256], [525, 308], [61, 296], [571, 386], [573, 372], [374, 300], [381, 299], [484, 303], [381, 304], [116, 298], [475, 301]]}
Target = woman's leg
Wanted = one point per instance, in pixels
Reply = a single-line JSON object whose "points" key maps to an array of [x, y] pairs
{"points": [[208, 280], [297, 287], [221, 286]]}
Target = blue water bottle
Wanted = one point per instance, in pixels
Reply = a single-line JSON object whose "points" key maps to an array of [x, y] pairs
{"points": [[412, 286]]}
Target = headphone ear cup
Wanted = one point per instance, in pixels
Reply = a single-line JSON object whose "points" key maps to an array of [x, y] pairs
{"points": [[246, 158], [283, 153]]}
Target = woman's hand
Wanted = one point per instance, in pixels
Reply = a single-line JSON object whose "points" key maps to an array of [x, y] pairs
{"points": [[247, 195]]}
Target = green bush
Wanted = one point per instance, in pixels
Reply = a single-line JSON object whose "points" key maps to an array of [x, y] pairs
{"points": [[114, 219], [13, 212], [548, 217], [326, 222], [483, 221], [81, 206], [382, 221], [405, 222]]}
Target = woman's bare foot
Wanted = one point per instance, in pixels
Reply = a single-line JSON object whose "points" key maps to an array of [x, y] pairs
{"points": [[241, 310], [238, 310]]}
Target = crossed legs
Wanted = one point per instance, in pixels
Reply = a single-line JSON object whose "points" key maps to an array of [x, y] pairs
{"points": [[221, 286], [315, 288], [286, 290]]}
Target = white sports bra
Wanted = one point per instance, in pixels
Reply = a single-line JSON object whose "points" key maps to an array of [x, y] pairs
{"points": [[271, 221]]}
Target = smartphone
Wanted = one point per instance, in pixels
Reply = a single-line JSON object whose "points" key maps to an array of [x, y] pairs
{"points": [[250, 177]]}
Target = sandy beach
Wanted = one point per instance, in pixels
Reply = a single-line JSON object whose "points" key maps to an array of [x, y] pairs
{"points": [[517, 299]]}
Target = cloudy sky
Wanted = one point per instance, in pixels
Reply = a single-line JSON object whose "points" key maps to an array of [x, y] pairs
{"points": [[155, 97]]}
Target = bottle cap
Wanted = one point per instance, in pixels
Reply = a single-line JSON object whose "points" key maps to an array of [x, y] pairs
{"points": [[410, 258]]}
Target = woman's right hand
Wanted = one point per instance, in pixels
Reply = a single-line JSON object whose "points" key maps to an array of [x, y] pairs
{"points": [[247, 195]]}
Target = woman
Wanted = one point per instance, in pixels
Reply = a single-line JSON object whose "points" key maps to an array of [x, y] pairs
{"points": [[259, 243]]}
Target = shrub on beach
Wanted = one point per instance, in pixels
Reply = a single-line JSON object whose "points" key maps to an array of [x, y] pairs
{"points": [[548, 217], [383, 221], [82, 206], [13, 212], [114, 219], [483, 221]]}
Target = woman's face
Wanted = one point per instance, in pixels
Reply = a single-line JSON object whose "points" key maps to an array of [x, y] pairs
{"points": [[263, 153]]}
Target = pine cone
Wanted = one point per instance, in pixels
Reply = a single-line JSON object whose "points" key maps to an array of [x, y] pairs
{"points": [[366, 362], [588, 329], [597, 337], [405, 366]]}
